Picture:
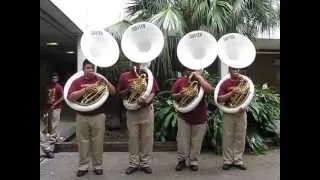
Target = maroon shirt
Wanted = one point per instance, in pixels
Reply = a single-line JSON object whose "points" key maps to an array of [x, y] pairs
{"points": [[78, 84], [123, 83], [227, 86], [55, 92], [198, 115]]}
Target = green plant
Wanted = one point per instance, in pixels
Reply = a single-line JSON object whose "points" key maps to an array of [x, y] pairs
{"points": [[264, 112], [165, 118]]}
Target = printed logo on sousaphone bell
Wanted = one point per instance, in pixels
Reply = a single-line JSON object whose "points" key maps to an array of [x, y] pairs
{"points": [[229, 37], [138, 27], [96, 33], [195, 35]]}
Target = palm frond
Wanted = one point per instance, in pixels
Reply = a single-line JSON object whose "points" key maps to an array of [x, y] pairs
{"points": [[254, 16], [135, 7], [118, 29], [172, 24]]}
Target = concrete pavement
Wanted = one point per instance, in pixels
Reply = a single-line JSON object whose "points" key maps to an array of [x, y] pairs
{"points": [[261, 167]]}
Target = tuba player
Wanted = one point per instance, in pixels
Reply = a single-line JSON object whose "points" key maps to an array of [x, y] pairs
{"points": [[90, 126], [140, 123], [234, 125], [192, 126]]}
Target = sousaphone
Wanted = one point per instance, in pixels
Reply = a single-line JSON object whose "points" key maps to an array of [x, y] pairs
{"points": [[141, 43], [101, 49], [196, 51], [237, 51]]}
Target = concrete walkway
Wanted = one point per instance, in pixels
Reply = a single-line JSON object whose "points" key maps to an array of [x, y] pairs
{"points": [[262, 167]]}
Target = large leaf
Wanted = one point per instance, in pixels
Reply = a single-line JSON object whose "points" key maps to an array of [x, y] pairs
{"points": [[163, 112], [172, 24], [168, 119]]}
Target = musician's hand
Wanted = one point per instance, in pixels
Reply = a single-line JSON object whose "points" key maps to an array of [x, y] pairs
{"points": [[197, 75], [126, 91], [91, 86], [242, 110], [131, 87], [235, 90]]}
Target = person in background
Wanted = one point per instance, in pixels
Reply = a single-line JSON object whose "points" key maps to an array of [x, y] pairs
{"points": [[54, 105]]}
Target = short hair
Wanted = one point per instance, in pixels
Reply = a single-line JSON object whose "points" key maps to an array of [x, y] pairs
{"points": [[85, 62], [54, 74]]}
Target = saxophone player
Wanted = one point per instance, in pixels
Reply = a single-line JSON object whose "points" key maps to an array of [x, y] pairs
{"points": [[90, 126], [140, 123], [192, 126], [234, 125]]}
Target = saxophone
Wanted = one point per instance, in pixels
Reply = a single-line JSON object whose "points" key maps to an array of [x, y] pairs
{"points": [[238, 98], [138, 85]]}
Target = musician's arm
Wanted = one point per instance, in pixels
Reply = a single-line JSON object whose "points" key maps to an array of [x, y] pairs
{"points": [[58, 101], [176, 91], [121, 88], [155, 89], [149, 99], [225, 97], [60, 88], [111, 88], [207, 88], [76, 95], [76, 91], [177, 96]]}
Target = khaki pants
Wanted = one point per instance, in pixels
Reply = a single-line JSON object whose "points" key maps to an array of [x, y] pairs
{"points": [[189, 139], [140, 126], [90, 134], [55, 122], [234, 137]]}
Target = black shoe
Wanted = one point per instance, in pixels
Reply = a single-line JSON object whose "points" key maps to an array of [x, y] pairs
{"points": [[130, 170], [194, 167], [227, 166], [181, 165], [98, 171], [240, 166], [147, 170], [82, 173]]}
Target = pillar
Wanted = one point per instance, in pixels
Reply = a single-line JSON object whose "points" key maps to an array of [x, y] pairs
{"points": [[224, 69], [80, 56]]}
